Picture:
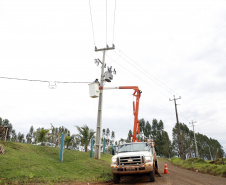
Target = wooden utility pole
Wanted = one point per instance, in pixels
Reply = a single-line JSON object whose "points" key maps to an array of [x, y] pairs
{"points": [[99, 114], [196, 148], [178, 130]]}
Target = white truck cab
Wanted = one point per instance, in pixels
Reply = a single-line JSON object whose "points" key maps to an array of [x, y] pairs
{"points": [[134, 158]]}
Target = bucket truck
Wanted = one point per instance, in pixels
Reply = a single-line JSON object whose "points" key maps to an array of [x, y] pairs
{"points": [[136, 157]]}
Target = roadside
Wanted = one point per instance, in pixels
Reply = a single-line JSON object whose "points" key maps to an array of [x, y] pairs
{"points": [[177, 176]]}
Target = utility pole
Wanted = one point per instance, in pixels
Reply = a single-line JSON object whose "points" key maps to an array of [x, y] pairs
{"points": [[178, 130], [196, 148], [210, 154], [99, 114]]}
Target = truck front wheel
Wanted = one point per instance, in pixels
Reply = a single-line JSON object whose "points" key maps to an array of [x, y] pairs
{"points": [[152, 176], [116, 178], [156, 166]]}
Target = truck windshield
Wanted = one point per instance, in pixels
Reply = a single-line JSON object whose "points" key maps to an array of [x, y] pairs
{"points": [[134, 147]]}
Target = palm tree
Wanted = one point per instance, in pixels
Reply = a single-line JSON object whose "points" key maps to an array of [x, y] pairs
{"points": [[42, 135], [85, 135], [68, 140]]}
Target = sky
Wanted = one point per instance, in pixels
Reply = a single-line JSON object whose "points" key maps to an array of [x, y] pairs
{"points": [[165, 48]]}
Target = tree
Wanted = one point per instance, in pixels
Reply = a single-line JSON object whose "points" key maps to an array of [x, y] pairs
{"points": [[128, 140], [160, 126], [206, 146], [68, 140], [147, 132], [85, 135], [154, 128], [20, 137], [29, 138], [186, 139], [31, 132], [142, 125], [7, 132], [107, 133], [113, 136], [14, 136], [103, 133], [121, 141], [42, 133]]}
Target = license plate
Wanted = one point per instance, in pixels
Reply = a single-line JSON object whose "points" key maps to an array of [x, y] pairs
{"points": [[131, 169]]}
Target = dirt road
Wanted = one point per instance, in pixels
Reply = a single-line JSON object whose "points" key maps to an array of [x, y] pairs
{"points": [[177, 176]]}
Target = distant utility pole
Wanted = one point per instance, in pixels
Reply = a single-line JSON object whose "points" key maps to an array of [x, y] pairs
{"points": [[99, 114], [196, 148], [178, 130], [210, 154]]}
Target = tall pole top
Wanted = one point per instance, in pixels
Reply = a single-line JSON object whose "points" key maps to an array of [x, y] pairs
{"points": [[174, 98], [104, 49], [192, 122]]}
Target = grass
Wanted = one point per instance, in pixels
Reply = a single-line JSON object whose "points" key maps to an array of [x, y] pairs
{"points": [[24, 163], [200, 165], [163, 159]]}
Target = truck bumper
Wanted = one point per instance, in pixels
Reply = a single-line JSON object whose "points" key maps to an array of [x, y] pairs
{"points": [[126, 170]]}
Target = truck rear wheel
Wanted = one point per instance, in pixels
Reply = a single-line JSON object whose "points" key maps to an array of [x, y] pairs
{"points": [[152, 176], [116, 178]]}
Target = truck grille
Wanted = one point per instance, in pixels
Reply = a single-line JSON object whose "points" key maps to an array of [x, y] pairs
{"points": [[131, 160]]}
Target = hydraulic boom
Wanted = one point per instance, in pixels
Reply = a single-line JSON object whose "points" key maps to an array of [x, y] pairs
{"points": [[137, 94]]}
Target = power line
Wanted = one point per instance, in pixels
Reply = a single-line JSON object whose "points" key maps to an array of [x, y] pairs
{"points": [[141, 71], [45, 81], [154, 78], [187, 108], [138, 77], [114, 25], [92, 22]]}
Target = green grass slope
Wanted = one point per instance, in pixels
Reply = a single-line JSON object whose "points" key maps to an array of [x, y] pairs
{"points": [[23, 163], [200, 165]]}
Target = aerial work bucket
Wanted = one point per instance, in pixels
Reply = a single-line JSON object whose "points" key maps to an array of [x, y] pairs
{"points": [[94, 90]]}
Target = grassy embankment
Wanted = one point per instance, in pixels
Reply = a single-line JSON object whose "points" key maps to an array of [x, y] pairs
{"points": [[197, 164], [24, 163]]}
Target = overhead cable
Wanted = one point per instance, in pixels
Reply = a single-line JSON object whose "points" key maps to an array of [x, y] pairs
{"points": [[161, 84], [154, 78], [92, 22], [137, 76], [46, 81], [114, 25]]}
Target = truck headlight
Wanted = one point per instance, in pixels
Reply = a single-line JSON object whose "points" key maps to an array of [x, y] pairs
{"points": [[113, 160], [148, 159]]}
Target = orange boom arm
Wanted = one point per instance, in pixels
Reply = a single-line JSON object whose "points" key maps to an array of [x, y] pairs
{"points": [[137, 94]]}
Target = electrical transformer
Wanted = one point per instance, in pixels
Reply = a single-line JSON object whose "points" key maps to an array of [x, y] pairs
{"points": [[108, 76]]}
